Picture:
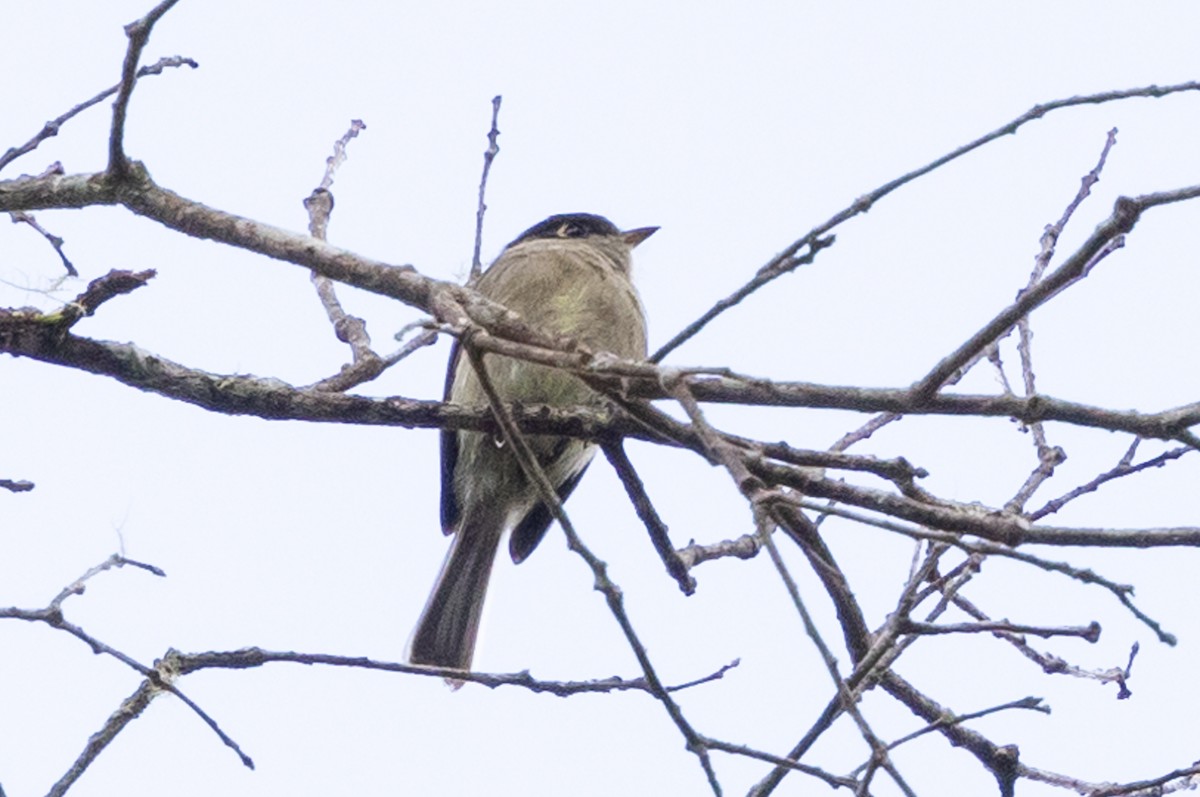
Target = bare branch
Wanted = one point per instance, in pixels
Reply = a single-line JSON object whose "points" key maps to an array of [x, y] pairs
{"points": [[1168, 424], [456, 305], [746, 546], [1028, 703], [138, 33], [1122, 592], [1185, 779], [20, 217], [130, 709], [786, 261], [1125, 215], [1090, 632], [1123, 468], [533, 471], [991, 351], [785, 763], [100, 290], [489, 155], [1048, 458], [248, 658], [51, 128], [115, 561], [158, 678], [334, 161], [657, 530], [1003, 761], [783, 263], [349, 329], [1051, 664]]}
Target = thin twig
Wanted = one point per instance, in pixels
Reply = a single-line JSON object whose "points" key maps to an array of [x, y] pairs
{"points": [[865, 431], [489, 155], [77, 586], [1027, 703], [533, 471], [21, 217], [160, 677], [52, 128], [247, 658], [339, 156], [1051, 664], [1122, 592], [779, 761], [1122, 468], [786, 261], [352, 330], [1049, 457], [1107, 235], [783, 263]]}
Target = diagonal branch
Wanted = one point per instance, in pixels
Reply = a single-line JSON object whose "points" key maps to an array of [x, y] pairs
{"points": [[159, 678], [1125, 215], [675, 564], [533, 471], [51, 128], [787, 261]]}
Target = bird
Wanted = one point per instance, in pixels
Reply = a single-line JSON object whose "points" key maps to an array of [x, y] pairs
{"points": [[567, 275]]}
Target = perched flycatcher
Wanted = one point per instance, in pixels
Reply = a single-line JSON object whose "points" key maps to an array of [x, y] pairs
{"points": [[569, 275]]}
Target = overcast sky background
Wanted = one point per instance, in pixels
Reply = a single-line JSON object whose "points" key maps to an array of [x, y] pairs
{"points": [[736, 128]]}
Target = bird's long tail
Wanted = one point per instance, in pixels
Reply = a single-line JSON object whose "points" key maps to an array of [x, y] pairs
{"points": [[445, 634]]}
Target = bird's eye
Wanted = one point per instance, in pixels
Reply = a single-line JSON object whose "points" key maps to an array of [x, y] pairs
{"points": [[571, 229]]}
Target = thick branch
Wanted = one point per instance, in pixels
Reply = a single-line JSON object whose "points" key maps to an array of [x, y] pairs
{"points": [[459, 306], [1170, 424], [138, 33]]}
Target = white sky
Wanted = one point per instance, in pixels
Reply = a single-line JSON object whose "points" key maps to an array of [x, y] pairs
{"points": [[734, 128]]}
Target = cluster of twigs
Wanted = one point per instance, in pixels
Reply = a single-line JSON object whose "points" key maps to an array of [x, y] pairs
{"points": [[789, 491]]}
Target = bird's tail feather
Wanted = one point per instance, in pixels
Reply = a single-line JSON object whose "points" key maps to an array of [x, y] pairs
{"points": [[445, 634]]}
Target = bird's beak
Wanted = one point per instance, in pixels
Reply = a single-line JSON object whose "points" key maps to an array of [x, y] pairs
{"points": [[635, 237]]}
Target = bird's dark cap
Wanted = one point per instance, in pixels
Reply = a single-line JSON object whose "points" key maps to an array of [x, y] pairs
{"points": [[569, 225]]}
